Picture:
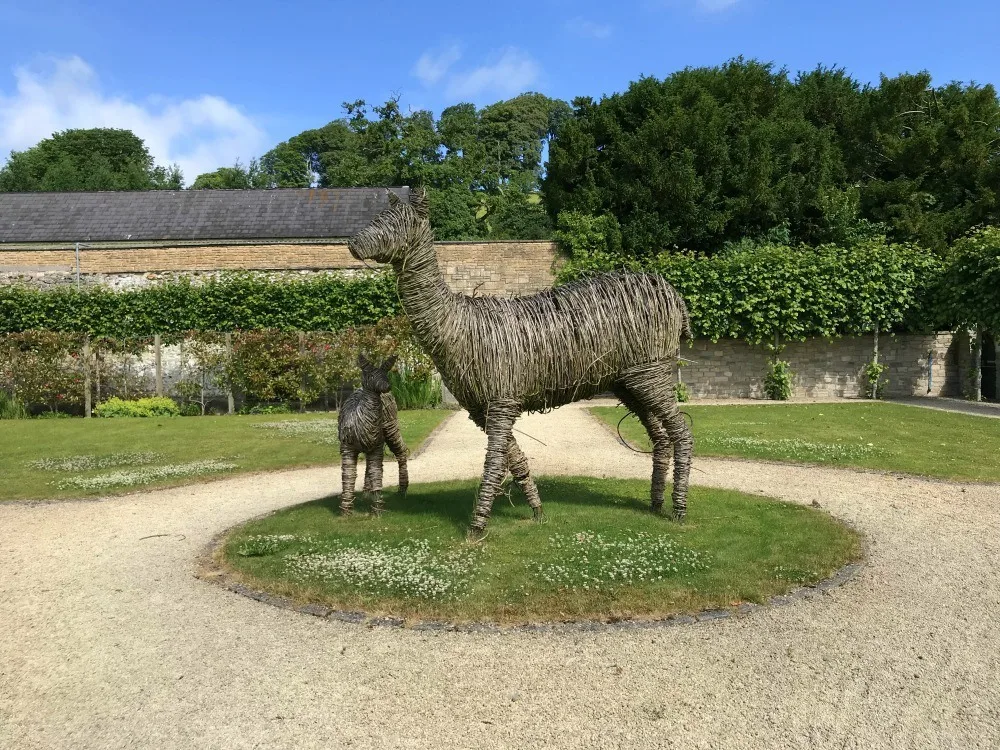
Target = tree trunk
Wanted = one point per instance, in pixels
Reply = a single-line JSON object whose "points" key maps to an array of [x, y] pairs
{"points": [[976, 374], [231, 402], [158, 363], [873, 386], [86, 377], [302, 380]]}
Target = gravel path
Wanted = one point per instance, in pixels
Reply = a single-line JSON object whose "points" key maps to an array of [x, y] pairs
{"points": [[108, 641]]}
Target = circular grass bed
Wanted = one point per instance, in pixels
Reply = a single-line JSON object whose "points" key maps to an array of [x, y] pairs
{"points": [[599, 555]]}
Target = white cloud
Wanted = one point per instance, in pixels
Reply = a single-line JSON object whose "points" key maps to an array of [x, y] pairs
{"points": [[715, 6], [200, 134], [589, 29], [432, 66], [511, 72]]}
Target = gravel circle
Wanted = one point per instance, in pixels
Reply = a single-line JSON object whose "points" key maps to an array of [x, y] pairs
{"points": [[108, 639]]}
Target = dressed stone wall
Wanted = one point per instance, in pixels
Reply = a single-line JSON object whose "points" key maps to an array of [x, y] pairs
{"points": [[468, 267], [919, 365]]}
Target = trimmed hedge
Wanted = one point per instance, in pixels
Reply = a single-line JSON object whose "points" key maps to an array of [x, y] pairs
{"points": [[237, 302], [756, 292]]}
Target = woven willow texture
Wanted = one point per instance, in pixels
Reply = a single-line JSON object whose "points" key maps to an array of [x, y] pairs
{"points": [[367, 422], [502, 357]]}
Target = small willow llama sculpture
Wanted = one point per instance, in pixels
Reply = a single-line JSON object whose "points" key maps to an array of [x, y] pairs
{"points": [[502, 357], [367, 422]]}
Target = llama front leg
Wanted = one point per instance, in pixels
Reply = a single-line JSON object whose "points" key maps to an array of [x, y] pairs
{"points": [[348, 475], [683, 441], [517, 462], [373, 460], [499, 420]]}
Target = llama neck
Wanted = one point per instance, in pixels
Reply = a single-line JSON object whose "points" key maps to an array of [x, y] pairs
{"points": [[426, 299]]}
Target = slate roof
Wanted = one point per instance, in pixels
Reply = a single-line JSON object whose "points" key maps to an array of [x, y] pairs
{"points": [[153, 215]]}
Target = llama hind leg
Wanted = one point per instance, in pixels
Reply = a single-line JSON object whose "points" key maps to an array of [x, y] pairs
{"points": [[683, 442], [635, 400], [499, 423], [348, 475], [367, 486], [517, 463], [652, 385]]}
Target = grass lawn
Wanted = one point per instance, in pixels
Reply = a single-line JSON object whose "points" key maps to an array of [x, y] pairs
{"points": [[889, 437], [601, 553], [62, 458]]}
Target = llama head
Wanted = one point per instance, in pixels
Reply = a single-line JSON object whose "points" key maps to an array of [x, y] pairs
{"points": [[375, 378], [387, 238]]}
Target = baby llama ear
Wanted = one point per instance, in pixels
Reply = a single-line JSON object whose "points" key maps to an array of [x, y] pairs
{"points": [[420, 202], [389, 363], [393, 199], [363, 362]]}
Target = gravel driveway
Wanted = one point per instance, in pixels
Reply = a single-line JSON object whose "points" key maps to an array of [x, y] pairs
{"points": [[107, 640]]}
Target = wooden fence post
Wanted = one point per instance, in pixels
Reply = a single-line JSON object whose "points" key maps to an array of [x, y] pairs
{"points": [[229, 388], [87, 411], [158, 363]]}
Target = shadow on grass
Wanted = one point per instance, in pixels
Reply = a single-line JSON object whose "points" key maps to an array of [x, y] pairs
{"points": [[445, 502]]}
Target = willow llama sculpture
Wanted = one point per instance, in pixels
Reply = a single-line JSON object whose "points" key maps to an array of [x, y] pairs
{"points": [[502, 357], [367, 422]]}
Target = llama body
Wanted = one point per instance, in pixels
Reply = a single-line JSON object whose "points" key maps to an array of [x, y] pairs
{"points": [[502, 357], [368, 420]]}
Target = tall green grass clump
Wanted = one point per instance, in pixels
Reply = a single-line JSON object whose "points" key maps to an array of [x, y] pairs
{"points": [[415, 391], [11, 408]]}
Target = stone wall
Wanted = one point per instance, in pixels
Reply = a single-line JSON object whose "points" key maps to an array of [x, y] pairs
{"points": [[468, 267], [919, 365]]}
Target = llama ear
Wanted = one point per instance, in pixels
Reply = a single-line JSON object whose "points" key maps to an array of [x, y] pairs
{"points": [[389, 363], [393, 199], [363, 362], [420, 203]]}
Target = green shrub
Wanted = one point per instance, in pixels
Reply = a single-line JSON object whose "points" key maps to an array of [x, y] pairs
{"points": [[266, 409], [155, 406], [683, 395], [778, 381], [874, 382], [11, 408]]}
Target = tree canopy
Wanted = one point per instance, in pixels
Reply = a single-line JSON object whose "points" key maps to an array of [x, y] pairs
{"points": [[236, 177], [87, 159], [710, 156], [482, 167]]}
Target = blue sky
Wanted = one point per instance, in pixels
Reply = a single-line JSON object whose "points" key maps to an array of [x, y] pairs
{"points": [[207, 82]]}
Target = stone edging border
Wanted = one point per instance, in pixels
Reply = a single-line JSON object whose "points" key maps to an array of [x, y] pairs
{"points": [[211, 571]]}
